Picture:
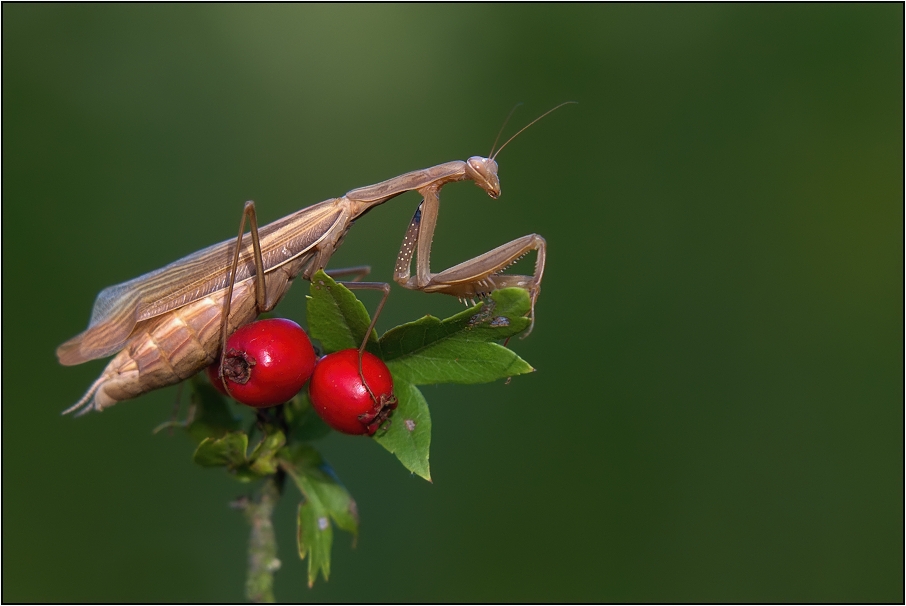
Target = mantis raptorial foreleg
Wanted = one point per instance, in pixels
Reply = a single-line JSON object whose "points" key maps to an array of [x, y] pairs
{"points": [[471, 279]]}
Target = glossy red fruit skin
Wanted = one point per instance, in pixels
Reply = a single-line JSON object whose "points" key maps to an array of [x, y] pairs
{"points": [[267, 362], [342, 400]]}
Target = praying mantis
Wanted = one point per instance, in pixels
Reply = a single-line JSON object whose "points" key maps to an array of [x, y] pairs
{"points": [[167, 325]]}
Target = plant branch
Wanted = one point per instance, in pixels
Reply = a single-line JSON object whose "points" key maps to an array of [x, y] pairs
{"points": [[262, 553]]}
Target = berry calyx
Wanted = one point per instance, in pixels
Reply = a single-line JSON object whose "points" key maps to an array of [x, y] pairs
{"points": [[266, 363], [343, 401]]}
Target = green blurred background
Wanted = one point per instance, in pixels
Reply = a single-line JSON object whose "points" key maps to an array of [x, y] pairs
{"points": [[718, 409]]}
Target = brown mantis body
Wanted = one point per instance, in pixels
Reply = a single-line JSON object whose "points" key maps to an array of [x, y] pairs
{"points": [[169, 324]]}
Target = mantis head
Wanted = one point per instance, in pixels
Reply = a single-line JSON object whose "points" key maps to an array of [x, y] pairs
{"points": [[483, 171]]}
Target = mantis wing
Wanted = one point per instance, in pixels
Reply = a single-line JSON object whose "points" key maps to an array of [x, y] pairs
{"points": [[119, 308]]}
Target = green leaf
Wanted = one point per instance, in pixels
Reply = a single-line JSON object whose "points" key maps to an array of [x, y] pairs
{"points": [[409, 433], [315, 538], [456, 361], [227, 451], [230, 452], [263, 460], [337, 318], [326, 499], [459, 349], [498, 317], [313, 475]]}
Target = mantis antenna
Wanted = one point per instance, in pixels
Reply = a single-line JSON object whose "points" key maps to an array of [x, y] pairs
{"points": [[500, 132], [529, 124]]}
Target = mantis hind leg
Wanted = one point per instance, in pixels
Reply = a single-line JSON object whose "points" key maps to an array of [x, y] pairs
{"points": [[260, 284]]}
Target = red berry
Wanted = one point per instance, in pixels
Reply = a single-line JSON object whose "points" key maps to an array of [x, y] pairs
{"points": [[266, 363], [342, 400]]}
